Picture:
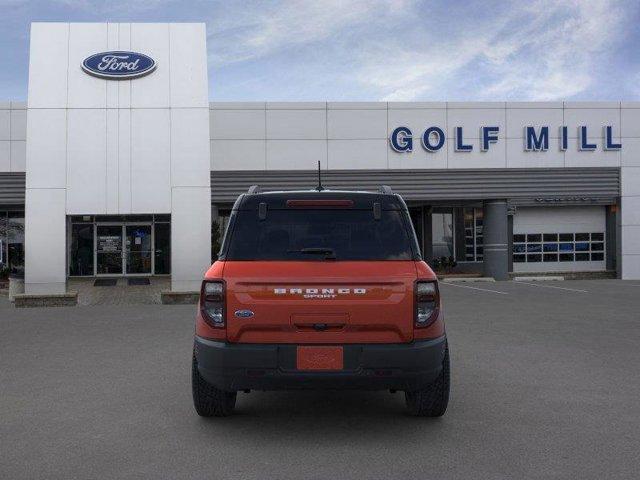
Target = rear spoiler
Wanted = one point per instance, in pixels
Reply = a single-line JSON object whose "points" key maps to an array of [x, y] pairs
{"points": [[384, 189]]}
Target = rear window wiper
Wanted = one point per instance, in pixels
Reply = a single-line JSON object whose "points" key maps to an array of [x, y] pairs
{"points": [[329, 253]]}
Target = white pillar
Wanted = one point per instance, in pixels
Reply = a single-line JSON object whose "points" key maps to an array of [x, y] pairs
{"points": [[190, 237], [45, 241], [630, 222]]}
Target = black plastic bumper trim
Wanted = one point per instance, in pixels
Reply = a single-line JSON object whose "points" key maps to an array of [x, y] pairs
{"points": [[230, 366]]}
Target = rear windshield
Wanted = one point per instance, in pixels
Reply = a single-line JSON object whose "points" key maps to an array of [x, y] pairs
{"points": [[319, 234]]}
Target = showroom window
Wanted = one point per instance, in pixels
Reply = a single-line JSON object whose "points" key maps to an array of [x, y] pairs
{"points": [[558, 247], [120, 245], [442, 231], [11, 242], [473, 218]]}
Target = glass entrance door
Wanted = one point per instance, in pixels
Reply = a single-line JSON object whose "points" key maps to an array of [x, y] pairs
{"points": [[139, 249], [109, 250]]}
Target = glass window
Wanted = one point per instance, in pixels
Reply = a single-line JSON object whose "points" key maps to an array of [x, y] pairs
{"points": [[81, 251], [109, 249], [138, 249], [473, 219], [4, 267], [82, 219], [566, 247], [534, 258], [582, 247], [15, 242], [469, 237], [302, 234], [567, 250], [519, 258], [442, 234], [110, 218], [479, 214], [162, 248]]}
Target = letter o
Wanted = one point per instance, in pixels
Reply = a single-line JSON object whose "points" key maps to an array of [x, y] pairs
{"points": [[426, 139]]}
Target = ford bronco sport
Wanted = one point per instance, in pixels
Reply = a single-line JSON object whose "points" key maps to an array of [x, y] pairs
{"points": [[320, 289]]}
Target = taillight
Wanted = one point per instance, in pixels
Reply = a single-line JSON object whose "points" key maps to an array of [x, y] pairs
{"points": [[212, 302], [427, 303]]}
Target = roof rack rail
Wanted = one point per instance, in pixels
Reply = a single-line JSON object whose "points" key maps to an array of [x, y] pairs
{"points": [[386, 189], [253, 189]]}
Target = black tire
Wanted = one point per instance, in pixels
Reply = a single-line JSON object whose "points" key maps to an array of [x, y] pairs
{"points": [[207, 399], [433, 400]]}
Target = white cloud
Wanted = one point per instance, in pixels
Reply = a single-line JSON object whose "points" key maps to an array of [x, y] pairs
{"points": [[546, 51], [248, 33], [405, 50]]}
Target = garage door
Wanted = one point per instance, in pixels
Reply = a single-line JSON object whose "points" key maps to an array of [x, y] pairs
{"points": [[559, 239]]}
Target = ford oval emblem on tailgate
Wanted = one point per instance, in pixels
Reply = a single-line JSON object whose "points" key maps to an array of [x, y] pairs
{"points": [[244, 313]]}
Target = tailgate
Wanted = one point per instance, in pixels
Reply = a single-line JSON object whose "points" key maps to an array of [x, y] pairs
{"points": [[326, 302]]}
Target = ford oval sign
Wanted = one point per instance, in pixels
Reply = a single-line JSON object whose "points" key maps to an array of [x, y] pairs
{"points": [[244, 313], [118, 65]]}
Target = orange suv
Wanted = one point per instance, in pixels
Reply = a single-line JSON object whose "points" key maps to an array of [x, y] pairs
{"points": [[320, 289]]}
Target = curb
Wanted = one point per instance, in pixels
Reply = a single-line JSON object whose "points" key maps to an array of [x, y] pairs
{"points": [[538, 279], [468, 279]]}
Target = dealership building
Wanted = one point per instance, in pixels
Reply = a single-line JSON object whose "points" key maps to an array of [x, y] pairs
{"points": [[118, 165]]}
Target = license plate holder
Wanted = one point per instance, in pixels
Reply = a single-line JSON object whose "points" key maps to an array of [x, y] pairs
{"points": [[319, 358]]}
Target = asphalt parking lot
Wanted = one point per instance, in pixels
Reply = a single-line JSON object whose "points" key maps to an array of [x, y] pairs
{"points": [[545, 384]]}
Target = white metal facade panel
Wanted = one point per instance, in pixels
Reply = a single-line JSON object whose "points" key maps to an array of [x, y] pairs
{"points": [[190, 147], [13, 132], [238, 155], [357, 154], [47, 148], [86, 161], [85, 91], [188, 74], [366, 124], [48, 65], [5, 156], [150, 160], [152, 91], [238, 125]]}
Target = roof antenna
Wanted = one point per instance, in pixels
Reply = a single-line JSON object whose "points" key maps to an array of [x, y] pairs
{"points": [[320, 187]]}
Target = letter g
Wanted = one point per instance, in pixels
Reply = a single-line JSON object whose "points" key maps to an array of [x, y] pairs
{"points": [[401, 139]]}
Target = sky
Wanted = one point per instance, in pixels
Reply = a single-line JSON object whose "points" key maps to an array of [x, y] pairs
{"points": [[377, 50]]}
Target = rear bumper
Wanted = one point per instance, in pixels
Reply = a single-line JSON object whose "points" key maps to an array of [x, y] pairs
{"points": [[230, 366]]}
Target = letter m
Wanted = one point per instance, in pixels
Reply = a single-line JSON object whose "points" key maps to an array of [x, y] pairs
{"points": [[536, 142]]}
